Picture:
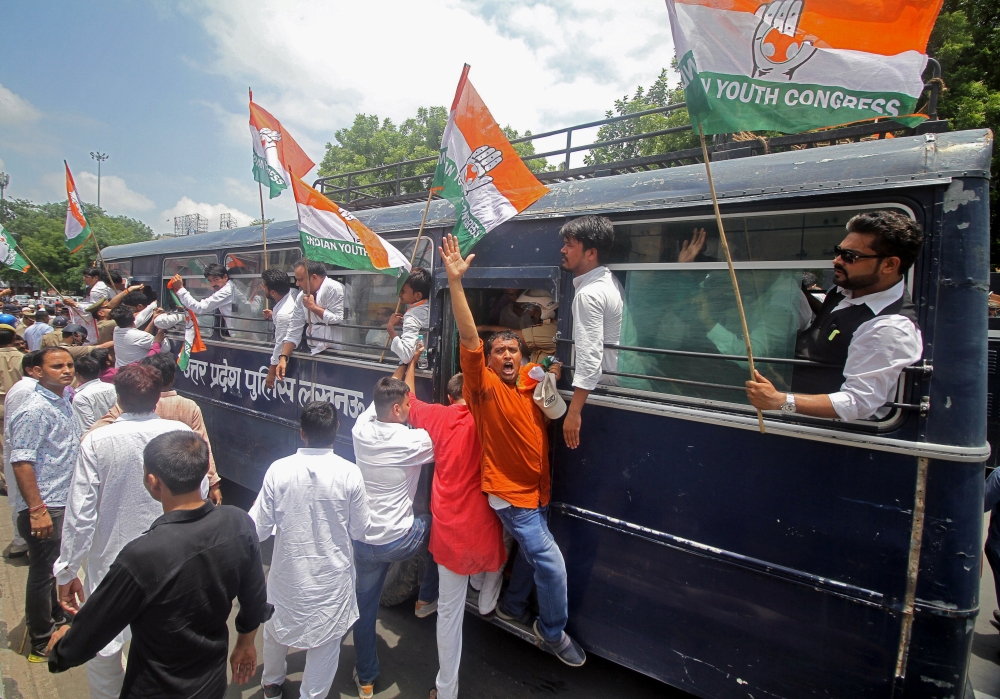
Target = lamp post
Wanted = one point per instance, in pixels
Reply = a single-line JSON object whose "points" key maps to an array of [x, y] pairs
{"points": [[99, 157], [4, 181]]}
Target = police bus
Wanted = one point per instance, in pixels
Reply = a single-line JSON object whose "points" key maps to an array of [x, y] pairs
{"points": [[819, 559]]}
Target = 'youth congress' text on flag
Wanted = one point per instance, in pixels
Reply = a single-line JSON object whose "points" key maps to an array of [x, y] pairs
{"points": [[276, 155], [334, 235], [9, 256], [77, 228], [796, 65], [479, 171]]}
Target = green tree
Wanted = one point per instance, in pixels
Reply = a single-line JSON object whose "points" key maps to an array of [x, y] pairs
{"points": [[966, 40], [38, 229], [659, 95]]}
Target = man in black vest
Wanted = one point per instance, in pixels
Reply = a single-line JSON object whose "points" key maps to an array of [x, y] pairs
{"points": [[866, 329]]}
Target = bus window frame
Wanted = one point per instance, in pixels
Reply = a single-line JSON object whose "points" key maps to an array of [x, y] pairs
{"points": [[164, 278], [893, 420], [270, 326]]}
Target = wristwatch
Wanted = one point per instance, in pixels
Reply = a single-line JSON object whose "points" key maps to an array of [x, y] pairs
{"points": [[789, 406]]}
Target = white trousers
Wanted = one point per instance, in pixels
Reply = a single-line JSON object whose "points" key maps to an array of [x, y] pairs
{"points": [[105, 676], [451, 611], [321, 665]]}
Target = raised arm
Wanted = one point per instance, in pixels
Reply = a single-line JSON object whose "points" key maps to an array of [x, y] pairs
{"points": [[456, 267]]}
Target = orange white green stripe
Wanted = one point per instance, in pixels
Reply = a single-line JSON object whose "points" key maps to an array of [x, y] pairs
{"points": [[9, 256], [77, 228], [796, 65], [335, 235], [276, 155], [478, 170]]}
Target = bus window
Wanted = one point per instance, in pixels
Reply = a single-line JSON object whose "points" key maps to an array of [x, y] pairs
{"points": [[678, 296], [124, 267], [192, 270], [245, 269]]}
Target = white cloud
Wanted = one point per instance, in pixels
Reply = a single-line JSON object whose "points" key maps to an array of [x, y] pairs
{"points": [[116, 197], [14, 109], [164, 224], [538, 64]]}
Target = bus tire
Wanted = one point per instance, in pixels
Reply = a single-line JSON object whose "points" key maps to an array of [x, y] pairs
{"points": [[401, 582]]}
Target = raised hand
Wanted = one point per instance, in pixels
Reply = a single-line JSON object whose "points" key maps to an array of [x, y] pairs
{"points": [[451, 257], [690, 249]]}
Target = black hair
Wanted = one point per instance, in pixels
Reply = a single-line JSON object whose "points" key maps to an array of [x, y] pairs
{"points": [[116, 276], [41, 316], [809, 280], [318, 420], [135, 298], [420, 282], [896, 235], [276, 280], [593, 232], [179, 459], [388, 392], [312, 266], [87, 367], [148, 292], [91, 272], [102, 355], [6, 337], [455, 384], [123, 316], [29, 361], [503, 335], [46, 351], [164, 364], [214, 269]]}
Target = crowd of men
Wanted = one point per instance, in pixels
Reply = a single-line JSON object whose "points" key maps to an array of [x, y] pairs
{"points": [[110, 472]]}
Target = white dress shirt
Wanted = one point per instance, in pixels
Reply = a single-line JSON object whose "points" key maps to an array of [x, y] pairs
{"points": [[222, 300], [390, 456], [415, 318], [131, 345], [107, 505], [99, 291], [330, 298], [143, 317], [316, 502], [33, 335], [879, 350], [281, 316], [92, 401], [597, 319]]}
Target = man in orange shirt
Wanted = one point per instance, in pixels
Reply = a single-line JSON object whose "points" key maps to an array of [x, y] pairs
{"points": [[513, 434]]}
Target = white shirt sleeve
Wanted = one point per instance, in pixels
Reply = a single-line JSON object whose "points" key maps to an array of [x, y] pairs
{"points": [[262, 512], [588, 337], [878, 352], [80, 519], [296, 326], [221, 298], [333, 306], [404, 343], [359, 520]]}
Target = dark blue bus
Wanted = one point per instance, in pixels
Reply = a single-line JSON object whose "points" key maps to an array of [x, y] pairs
{"points": [[818, 559]]}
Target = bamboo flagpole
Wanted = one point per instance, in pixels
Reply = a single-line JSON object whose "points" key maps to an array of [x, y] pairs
{"points": [[732, 271], [413, 257]]}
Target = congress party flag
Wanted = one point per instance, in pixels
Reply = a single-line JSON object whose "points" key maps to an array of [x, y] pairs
{"points": [[276, 155], [9, 257], [77, 228], [797, 65], [334, 235], [479, 171], [192, 333]]}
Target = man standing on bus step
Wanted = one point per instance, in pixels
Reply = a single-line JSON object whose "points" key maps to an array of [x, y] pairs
{"points": [[867, 327], [466, 536], [223, 298], [515, 468], [413, 294], [319, 310], [390, 455], [597, 312], [316, 501], [279, 290]]}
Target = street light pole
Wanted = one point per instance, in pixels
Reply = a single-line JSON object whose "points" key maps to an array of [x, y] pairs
{"points": [[99, 157], [4, 181]]}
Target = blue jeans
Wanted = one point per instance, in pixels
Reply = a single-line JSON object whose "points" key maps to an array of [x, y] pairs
{"points": [[372, 562], [538, 561]]}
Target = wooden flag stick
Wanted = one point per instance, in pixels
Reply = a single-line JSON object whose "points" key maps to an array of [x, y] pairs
{"points": [[416, 247], [35, 267], [732, 271], [100, 257]]}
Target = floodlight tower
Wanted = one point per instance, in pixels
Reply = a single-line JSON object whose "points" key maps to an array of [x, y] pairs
{"points": [[4, 181], [100, 158]]}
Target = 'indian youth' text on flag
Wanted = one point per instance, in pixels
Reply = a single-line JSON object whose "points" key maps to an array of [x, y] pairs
{"points": [[796, 65], [479, 171], [77, 228], [276, 155]]}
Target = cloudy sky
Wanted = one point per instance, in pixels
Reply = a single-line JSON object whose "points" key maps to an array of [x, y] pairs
{"points": [[162, 86]]}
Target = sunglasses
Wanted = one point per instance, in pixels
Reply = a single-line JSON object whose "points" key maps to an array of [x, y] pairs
{"points": [[850, 256]]}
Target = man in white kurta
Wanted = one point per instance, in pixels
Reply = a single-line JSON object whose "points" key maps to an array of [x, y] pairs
{"points": [[318, 312], [315, 502], [108, 507]]}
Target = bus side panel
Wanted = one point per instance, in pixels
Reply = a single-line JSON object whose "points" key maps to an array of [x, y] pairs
{"points": [[243, 447]]}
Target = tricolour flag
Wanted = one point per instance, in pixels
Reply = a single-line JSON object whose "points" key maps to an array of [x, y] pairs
{"points": [[77, 228], [796, 65], [192, 333], [479, 171], [276, 155], [9, 256], [334, 235]]}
